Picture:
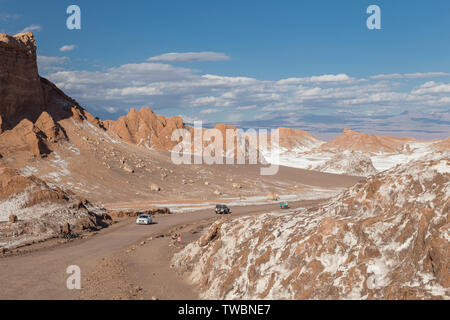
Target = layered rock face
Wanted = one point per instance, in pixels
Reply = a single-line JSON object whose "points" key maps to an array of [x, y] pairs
{"points": [[30, 106], [20, 84], [234, 144], [297, 139], [356, 141], [291, 140], [387, 237], [145, 128]]}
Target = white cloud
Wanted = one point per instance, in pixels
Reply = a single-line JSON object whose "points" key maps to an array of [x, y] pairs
{"points": [[166, 86], [416, 75], [189, 57], [32, 28], [246, 107], [67, 48], [46, 64], [326, 78], [432, 87], [210, 111], [204, 101], [189, 119]]}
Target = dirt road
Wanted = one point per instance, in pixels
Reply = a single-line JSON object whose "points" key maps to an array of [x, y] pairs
{"points": [[42, 274]]}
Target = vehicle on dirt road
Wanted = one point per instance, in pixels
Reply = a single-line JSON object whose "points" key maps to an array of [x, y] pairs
{"points": [[144, 219], [284, 205], [222, 209]]}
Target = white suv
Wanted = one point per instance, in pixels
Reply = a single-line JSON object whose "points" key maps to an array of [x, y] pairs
{"points": [[144, 219]]}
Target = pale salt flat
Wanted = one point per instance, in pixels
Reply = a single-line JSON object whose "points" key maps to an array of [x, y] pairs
{"points": [[303, 158]]}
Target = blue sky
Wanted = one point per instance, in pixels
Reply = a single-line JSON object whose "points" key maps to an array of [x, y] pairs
{"points": [[307, 64]]}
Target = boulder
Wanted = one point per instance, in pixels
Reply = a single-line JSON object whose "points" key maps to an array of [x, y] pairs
{"points": [[65, 229], [211, 234], [51, 129], [84, 224], [272, 196], [127, 168], [155, 188], [13, 218]]}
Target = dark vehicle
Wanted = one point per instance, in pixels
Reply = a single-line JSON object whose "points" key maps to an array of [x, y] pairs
{"points": [[222, 209]]}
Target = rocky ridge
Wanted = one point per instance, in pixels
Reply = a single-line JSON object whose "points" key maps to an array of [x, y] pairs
{"points": [[41, 212], [359, 141], [385, 238], [349, 162], [31, 107]]}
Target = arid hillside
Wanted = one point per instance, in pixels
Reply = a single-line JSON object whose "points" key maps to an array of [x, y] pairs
{"points": [[358, 141], [384, 238], [31, 210], [57, 159], [348, 162]]}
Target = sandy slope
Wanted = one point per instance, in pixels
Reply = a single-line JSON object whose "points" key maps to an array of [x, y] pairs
{"points": [[91, 163]]}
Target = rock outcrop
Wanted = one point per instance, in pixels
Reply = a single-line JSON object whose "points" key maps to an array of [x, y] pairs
{"points": [[145, 128], [234, 145], [20, 84], [155, 188], [385, 238], [357, 141], [291, 140], [31, 107], [272, 196], [348, 162], [297, 139], [37, 211]]}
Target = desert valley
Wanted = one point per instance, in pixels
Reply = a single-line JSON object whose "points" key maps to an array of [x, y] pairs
{"points": [[367, 216]]}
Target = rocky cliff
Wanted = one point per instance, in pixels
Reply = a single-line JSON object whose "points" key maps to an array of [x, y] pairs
{"points": [[31, 107], [145, 128], [20, 84]]}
